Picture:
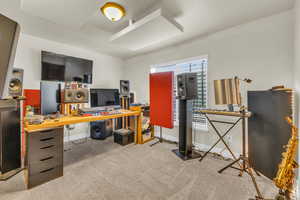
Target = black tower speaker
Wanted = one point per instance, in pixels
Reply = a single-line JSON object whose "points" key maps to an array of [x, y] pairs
{"points": [[124, 88], [187, 86], [100, 130], [16, 83], [186, 91]]}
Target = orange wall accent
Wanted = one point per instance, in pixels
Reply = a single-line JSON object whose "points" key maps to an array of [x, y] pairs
{"points": [[33, 98]]}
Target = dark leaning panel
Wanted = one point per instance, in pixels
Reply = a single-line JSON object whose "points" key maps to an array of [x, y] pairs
{"points": [[268, 130]]}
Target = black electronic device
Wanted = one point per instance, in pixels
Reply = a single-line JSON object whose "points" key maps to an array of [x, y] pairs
{"points": [[100, 130], [50, 97], [16, 83], [187, 86], [56, 67], [104, 97], [9, 35], [124, 88]]}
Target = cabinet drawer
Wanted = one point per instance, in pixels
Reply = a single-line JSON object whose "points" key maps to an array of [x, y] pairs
{"points": [[45, 139], [38, 166], [45, 152], [42, 134], [44, 176]]}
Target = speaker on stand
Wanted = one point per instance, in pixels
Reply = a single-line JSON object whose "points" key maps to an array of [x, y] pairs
{"points": [[186, 93], [125, 100], [15, 87], [124, 88]]}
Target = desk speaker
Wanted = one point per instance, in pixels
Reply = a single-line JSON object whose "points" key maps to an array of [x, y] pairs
{"points": [[124, 88], [187, 86], [80, 95], [16, 83]]}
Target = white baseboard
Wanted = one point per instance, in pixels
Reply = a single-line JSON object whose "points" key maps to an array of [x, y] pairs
{"points": [[76, 137], [201, 147]]}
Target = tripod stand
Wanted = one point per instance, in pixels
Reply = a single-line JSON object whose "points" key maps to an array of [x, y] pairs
{"points": [[243, 161], [245, 167]]}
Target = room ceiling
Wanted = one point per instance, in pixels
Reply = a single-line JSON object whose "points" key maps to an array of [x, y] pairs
{"points": [[80, 22]]}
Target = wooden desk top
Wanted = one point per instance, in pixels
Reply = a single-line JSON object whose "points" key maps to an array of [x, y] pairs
{"points": [[52, 123], [225, 113]]}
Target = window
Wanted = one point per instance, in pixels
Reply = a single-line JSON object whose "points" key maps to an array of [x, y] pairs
{"points": [[198, 65]]}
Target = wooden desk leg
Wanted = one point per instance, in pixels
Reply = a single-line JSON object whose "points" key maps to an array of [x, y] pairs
{"points": [[139, 129], [136, 129]]}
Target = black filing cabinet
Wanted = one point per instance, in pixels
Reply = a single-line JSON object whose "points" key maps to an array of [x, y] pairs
{"points": [[44, 156]]}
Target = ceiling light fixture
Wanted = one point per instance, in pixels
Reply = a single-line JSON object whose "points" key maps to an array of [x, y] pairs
{"points": [[113, 11]]}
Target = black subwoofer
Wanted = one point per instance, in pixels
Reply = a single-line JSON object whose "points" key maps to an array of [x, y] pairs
{"points": [[100, 130]]}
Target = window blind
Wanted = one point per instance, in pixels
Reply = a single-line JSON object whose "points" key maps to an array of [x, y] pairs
{"points": [[200, 67]]}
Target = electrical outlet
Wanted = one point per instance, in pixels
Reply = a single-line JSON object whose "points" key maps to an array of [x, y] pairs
{"points": [[229, 138]]}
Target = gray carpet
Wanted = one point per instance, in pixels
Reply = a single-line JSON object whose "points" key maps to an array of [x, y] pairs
{"points": [[104, 170]]}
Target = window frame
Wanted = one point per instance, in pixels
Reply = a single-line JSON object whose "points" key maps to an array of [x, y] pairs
{"points": [[195, 125]]}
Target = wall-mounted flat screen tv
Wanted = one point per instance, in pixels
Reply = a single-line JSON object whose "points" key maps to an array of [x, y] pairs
{"points": [[56, 67]]}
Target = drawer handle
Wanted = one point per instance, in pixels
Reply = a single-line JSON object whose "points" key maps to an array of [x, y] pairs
{"points": [[47, 147], [46, 139], [47, 170], [48, 158], [46, 131]]}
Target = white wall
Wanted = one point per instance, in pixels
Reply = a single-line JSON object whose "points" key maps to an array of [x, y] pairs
{"points": [[297, 71], [297, 53], [107, 70], [261, 50]]}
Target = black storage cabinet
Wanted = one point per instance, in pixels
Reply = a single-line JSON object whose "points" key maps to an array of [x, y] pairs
{"points": [[10, 139], [268, 130]]}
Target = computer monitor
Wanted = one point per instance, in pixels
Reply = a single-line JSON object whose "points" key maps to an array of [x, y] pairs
{"points": [[50, 97], [104, 97]]}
